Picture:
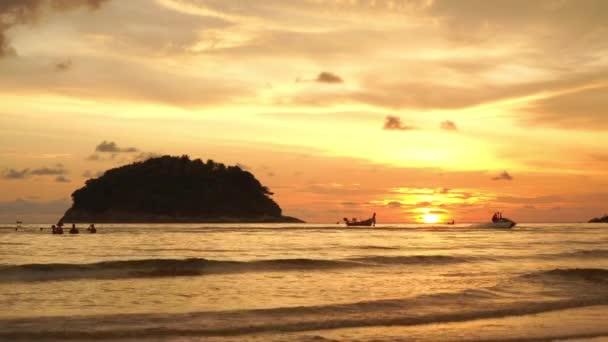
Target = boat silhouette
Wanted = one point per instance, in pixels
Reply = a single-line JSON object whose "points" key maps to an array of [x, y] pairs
{"points": [[365, 223]]}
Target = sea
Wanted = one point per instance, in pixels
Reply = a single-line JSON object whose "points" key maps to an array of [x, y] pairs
{"points": [[305, 282]]}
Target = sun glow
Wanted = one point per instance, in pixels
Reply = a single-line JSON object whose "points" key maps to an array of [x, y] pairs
{"points": [[430, 218]]}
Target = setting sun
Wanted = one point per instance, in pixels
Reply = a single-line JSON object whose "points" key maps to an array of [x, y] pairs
{"points": [[430, 218]]}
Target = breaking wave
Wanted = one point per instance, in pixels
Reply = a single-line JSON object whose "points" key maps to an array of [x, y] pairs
{"points": [[591, 275], [586, 253], [412, 259], [428, 309], [199, 266]]}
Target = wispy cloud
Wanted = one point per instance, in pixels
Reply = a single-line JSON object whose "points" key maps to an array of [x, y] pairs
{"points": [[448, 126], [63, 66], [394, 204], [18, 12], [323, 77], [59, 170], [62, 179], [15, 174], [112, 147], [392, 123], [328, 77], [47, 171]]}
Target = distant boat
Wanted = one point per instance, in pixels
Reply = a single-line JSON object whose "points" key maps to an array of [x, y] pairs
{"points": [[366, 223], [497, 222]]}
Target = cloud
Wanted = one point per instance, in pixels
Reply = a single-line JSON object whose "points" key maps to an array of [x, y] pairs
{"points": [[111, 147], [15, 174], [63, 66], [585, 109], [448, 125], [323, 77], [503, 176], [46, 171], [62, 179], [19, 12], [437, 211], [530, 200], [328, 77], [394, 123], [25, 173], [394, 204]]}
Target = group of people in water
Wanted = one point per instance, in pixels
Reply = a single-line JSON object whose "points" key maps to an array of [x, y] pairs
{"points": [[58, 229]]}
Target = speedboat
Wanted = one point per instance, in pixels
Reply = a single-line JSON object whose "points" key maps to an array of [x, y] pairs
{"points": [[366, 223], [498, 222]]}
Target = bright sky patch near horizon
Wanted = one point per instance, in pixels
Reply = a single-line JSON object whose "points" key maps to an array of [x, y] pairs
{"points": [[419, 110]]}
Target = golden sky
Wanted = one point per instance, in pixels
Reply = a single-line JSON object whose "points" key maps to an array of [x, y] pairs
{"points": [[455, 108]]}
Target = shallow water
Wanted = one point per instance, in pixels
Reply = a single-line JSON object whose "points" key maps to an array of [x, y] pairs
{"points": [[305, 283]]}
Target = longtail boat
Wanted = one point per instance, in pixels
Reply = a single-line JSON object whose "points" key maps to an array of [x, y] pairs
{"points": [[366, 223]]}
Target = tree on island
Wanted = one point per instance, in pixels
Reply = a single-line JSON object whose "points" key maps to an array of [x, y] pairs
{"points": [[174, 188]]}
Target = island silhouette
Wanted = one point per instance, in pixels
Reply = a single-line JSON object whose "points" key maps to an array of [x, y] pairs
{"points": [[172, 189], [603, 219]]}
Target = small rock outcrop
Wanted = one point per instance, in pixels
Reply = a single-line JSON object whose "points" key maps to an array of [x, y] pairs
{"points": [[603, 219]]}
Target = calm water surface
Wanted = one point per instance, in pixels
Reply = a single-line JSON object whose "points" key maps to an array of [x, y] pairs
{"points": [[305, 282]]}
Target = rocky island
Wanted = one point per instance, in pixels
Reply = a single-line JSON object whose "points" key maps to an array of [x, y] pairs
{"points": [[603, 219], [174, 190]]}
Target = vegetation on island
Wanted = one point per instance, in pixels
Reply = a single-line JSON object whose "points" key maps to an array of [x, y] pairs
{"points": [[175, 189], [603, 219]]}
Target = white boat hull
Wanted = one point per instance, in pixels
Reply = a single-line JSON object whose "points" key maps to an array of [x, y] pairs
{"points": [[495, 225]]}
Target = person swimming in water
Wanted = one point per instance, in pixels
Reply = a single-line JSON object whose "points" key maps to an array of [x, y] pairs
{"points": [[74, 230], [56, 229], [92, 229]]}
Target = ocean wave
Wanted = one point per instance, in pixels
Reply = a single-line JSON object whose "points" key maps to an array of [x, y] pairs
{"points": [[586, 253], [198, 266], [412, 259], [377, 247], [591, 275], [429, 309], [13, 244]]}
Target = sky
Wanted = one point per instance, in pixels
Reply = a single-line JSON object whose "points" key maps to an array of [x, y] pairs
{"points": [[419, 110]]}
